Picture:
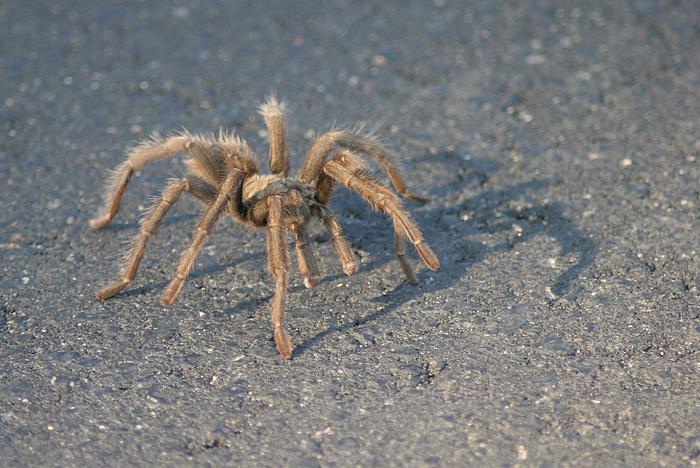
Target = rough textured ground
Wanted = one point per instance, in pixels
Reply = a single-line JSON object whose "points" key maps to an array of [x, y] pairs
{"points": [[559, 142]]}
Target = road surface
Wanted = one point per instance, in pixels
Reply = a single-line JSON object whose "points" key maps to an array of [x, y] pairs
{"points": [[559, 143]]}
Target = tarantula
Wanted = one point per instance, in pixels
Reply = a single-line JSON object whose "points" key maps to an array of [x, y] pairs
{"points": [[223, 174]]}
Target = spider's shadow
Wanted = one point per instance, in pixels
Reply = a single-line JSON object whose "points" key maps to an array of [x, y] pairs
{"points": [[547, 218], [242, 306], [196, 273], [134, 225], [253, 260]]}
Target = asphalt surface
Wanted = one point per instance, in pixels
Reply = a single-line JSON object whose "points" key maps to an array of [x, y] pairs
{"points": [[559, 143]]}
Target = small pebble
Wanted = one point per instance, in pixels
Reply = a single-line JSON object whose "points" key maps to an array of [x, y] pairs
{"points": [[378, 60], [521, 452], [535, 59], [181, 12]]}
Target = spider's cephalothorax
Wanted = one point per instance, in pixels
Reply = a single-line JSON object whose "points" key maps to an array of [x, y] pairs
{"points": [[223, 174]]}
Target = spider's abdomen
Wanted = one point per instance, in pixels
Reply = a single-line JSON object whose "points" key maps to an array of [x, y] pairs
{"points": [[213, 157]]}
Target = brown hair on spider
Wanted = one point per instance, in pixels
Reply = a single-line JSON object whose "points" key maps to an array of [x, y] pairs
{"points": [[223, 174]]}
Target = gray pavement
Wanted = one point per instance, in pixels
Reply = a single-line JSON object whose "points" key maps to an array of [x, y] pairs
{"points": [[560, 145]]}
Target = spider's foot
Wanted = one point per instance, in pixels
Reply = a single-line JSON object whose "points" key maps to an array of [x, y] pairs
{"points": [[284, 345], [111, 290], [310, 281], [171, 292], [427, 255], [100, 222], [350, 268]]}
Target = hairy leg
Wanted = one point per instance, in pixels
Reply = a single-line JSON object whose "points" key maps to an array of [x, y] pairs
{"points": [[213, 156], [273, 113], [354, 141], [144, 153], [400, 247], [149, 225], [355, 166], [347, 259], [229, 190], [305, 257], [324, 186], [278, 263], [381, 198]]}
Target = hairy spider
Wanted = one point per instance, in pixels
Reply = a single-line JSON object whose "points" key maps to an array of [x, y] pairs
{"points": [[223, 174]]}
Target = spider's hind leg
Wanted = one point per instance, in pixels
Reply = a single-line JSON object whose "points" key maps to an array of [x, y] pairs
{"points": [[146, 152], [273, 113], [149, 224]]}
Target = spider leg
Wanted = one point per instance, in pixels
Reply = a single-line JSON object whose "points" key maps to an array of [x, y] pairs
{"points": [[212, 156], [325, 183], [273, 113], [381, 198], [354, 141], [324, 188], [144, 153], [347, 259], [278, 264], [149, 225], [230, 188], [305, 257], [400, 248]]}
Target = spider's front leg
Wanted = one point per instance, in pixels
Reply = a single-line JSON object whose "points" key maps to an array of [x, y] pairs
{"points": [[278, 263]]}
